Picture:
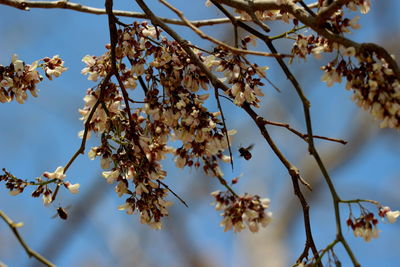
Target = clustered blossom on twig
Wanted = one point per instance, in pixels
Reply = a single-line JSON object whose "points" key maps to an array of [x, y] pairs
{"points": [[365, 225], [376, 88], [18, 78], [375, 85], [242, 211], [363, 5], [243, 77], [17, 185]]}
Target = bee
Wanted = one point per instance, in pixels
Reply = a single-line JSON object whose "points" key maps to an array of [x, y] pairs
{"points": [[245, 152], [62, 213]]}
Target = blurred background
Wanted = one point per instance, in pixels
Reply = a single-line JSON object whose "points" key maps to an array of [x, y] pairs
{"points": [[42, 134]]}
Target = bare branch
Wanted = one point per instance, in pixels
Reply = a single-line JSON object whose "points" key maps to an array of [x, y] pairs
{"points": [[26, 5], [301, 135], [31, 253]]}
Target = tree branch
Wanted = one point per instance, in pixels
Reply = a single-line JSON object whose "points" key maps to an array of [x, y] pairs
{"points": [[31, 253], [26, 5], [326, 12], [300, 14], [301, 135], [216, 41]]}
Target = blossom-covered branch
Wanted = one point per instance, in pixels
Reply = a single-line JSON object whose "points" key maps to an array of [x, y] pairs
{"points": [[300, 14], [171, 116]]}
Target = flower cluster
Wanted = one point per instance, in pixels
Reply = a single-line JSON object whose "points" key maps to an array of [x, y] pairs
{"points": [[364, 226], [53, 66], [243, 78], [111, 107], [14, 184], [135, 140], [376, 87], [315, 45], [363, 5], [96, 66], [57, 177], [17, 185], [242, 211], [18, 78]]}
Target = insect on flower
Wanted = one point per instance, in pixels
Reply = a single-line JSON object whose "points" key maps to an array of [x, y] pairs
{"points": [[245, 152]]}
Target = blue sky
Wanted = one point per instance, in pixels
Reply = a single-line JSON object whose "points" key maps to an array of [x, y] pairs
{"points": [[42, 134]]}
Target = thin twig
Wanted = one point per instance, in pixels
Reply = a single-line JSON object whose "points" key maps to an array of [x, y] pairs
{"points": [[285, 34], [81, 149], [25, 182], [303, 136], [325, 250], [306, 8], [216, 41], [360, 200], [224, 129], [31, 253], [26, 5], [326, 12], [175, 194]]}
